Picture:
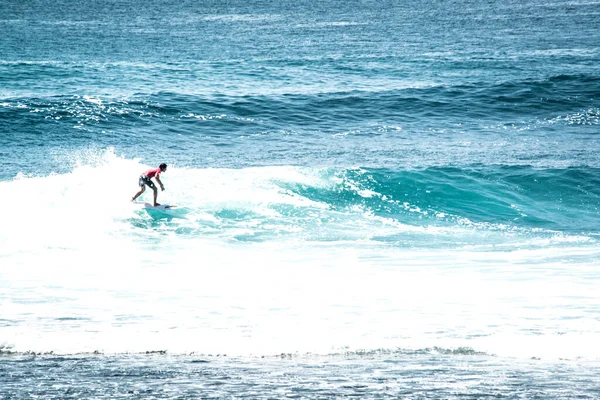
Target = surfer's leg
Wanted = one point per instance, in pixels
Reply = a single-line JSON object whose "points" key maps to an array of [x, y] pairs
{"points": [[138, 194], [142, 183], [155, 194]]}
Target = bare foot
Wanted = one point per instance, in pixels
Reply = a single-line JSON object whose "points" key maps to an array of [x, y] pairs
{"points": [[156, 204]]}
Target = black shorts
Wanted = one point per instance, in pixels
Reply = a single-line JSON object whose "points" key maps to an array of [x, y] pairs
{"points": [[144, 180]]}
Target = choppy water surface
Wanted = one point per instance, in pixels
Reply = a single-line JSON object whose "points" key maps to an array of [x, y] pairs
{"points": [[411, 376]]}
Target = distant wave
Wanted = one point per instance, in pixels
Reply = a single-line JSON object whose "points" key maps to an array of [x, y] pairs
{"points": [[506, 101]]}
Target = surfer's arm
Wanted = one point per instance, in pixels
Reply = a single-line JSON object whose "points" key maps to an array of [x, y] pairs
{"points": [[162, 187]]}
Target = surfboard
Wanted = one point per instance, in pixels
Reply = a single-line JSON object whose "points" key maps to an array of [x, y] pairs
{"points": [[164, 211], [162, 207]]}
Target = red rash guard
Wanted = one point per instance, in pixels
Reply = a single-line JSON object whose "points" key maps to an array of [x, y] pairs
{"points": [[153, 172]]}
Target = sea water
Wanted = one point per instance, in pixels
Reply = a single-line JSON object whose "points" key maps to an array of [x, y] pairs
{"points": [[381, 199]]}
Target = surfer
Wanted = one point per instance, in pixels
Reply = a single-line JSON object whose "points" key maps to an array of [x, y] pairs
{"points": [[146, 179]]}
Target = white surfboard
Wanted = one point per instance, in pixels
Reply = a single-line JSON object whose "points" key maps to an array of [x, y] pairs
{"points": [[164, 211], [162, 207]]}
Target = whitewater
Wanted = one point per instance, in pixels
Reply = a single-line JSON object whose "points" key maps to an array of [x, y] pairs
{"points": [[259, 267]]}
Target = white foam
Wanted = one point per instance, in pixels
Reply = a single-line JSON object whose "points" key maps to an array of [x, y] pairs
{"points": [[82, 271]]}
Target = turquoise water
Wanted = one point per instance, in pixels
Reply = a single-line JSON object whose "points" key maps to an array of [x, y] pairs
{"points": [[378, 199]]}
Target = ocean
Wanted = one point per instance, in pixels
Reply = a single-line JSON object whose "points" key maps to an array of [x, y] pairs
{"points": [[375, 199]]}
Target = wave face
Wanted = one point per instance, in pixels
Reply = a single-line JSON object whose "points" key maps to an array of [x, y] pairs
{"points": [[384, 186]]}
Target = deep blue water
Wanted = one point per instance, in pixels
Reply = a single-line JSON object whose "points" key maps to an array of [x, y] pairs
{"points": [[372, 193]]}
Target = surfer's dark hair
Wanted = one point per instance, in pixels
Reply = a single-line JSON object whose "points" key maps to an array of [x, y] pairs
{"points": [[162, 166]]}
